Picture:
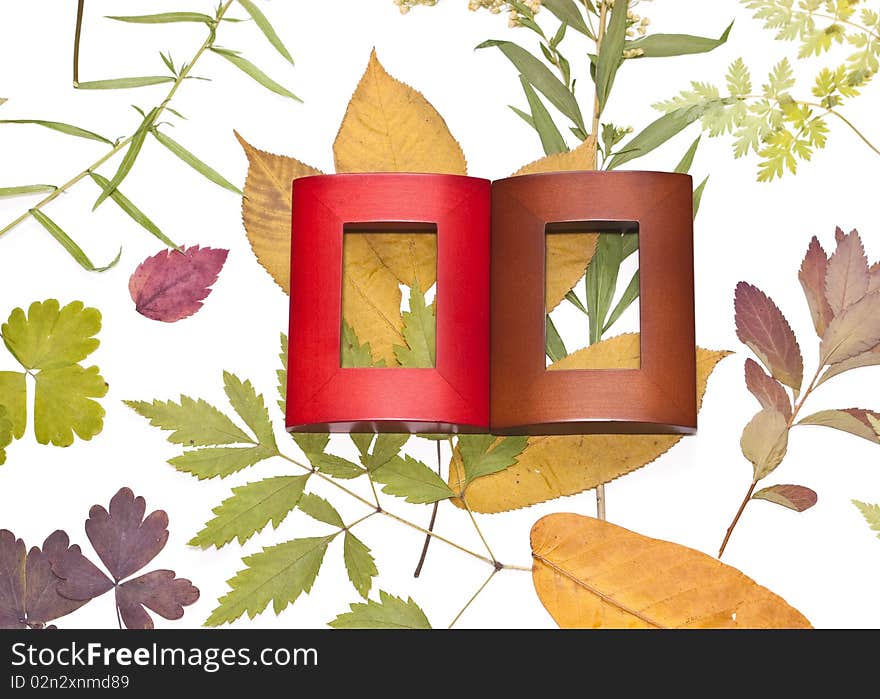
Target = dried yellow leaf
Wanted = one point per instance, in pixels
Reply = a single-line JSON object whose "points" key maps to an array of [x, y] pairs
{"points": [[593, 574], [266, 208], [390, 127], [551, 467], [567, 254]]}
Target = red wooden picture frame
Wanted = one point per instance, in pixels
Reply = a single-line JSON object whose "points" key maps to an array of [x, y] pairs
{"points": [[451, 397], [660, 397]]}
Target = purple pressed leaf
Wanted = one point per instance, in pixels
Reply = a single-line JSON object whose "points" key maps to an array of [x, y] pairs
{"points": [[812, 276], [846, 278], [43, 600], [761, 325], [80, 578], [766, 389], [173, 284], [123, 539], [794, 497], [161, 591], [12, 581]]}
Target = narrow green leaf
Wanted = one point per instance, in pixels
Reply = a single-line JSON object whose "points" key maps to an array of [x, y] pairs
{"points": [[551, 139], [68, 129], [265, 26], [135, 213], [134, 149], [250, 69], [522, 115], [193, 423], [169, 64], [573, 299], [657, 133], [250, 508], [124, 83], [419, 331], [26, 189], [541, 78], [412, 480], [630, 244], [196, 164], [318, 508], [68, 244], [698, 195], [555, 347], [684, 167], [212, 462], [389, 613], [359, 563], [630, 294], [871, 513], [164, 18], [611, 53], [279, 574], [250, 408], [568, 12], [602, 281], [335, 466], [665, 45], [480, 456]]}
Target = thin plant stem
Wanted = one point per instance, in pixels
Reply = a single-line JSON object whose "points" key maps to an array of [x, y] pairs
{"points": [[122, 144], [473, 597], [418, 570], [375, 493], [854, 129], [477, 528], [401, 520], [76, 39], [794, 413], [597, 111]]}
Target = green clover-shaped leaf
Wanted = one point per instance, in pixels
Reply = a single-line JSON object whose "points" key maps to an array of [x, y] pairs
{"points": [[49, 341], [5, 434]]}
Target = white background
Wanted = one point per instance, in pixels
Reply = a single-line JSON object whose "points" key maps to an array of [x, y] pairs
{"points": [[825, 562]]}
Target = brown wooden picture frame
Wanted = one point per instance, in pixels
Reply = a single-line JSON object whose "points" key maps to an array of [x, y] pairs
{"points": [[660, 397]]}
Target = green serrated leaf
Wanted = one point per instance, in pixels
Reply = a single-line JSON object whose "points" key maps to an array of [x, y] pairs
{"points": [[135, 213], [354, 355], [282, 376], [251, 70], [335, 466], [739, 80], [193, 423], [541, 78], [480, 458], [49, 336], [311, 443], [386, 447], [360, 564], [195, 163], [250, 509], [419, 331], [611, 53], [75, 251], [871, 513], [212, 462], [124, 83], [279, 574], [250, 408], [389, 613], [68, 129], [412, 480], [318, 508], [363, 441], [266, 27], [164, 18]]}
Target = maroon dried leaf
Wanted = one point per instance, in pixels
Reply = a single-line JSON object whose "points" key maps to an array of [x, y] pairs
{"points": [[794, 497], [172, 285], [80, 578], [766, 389], [28, 586], [869, 358], [846, 278], [874, 280], [812, 275], [852, 420], [159, 591], [855, 331], [839, 235], [761, 325], [123, 539]]}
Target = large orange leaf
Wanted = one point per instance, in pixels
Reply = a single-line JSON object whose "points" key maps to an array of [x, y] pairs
{"points": [[593, 574], [551, 467]]}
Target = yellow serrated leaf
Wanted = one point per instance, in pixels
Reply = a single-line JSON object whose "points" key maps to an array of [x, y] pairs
{"points": [[567, 254], [593, 574], [390, 127], [266, 208], [551, 467]]}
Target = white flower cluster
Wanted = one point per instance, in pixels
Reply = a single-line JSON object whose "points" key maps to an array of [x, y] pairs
{"points": [[494, 6]]}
